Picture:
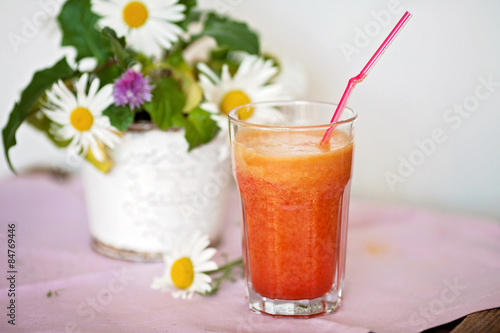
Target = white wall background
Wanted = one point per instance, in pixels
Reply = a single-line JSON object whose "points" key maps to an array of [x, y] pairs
{"points": [[436, 66]]}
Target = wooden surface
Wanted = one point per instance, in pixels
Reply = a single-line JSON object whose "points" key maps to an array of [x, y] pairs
{"points": [[487, 321]]}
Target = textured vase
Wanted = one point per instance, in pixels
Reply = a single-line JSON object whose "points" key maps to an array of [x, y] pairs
{"points": [[156, 192]]}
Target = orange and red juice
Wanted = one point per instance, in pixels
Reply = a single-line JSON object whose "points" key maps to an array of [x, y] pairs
{"points": [[292, 191]]}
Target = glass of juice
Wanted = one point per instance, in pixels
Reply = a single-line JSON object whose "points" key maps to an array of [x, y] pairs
{"points": [[295, 203]]}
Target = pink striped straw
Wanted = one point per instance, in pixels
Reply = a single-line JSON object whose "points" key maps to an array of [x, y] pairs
{"points": [[362, 75]]}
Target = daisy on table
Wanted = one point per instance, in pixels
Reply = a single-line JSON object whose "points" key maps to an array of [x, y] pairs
{"points": [[79, 118], [251, 83], [148, 25], [186, 265]]}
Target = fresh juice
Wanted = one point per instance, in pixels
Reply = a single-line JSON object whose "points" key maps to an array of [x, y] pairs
{"points": [[295, 194]]}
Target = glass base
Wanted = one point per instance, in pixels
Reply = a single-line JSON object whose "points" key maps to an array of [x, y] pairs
{"points": [[304, 308]]}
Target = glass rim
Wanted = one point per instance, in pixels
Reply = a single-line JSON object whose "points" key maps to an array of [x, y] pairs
{"points": [[234, 119]]}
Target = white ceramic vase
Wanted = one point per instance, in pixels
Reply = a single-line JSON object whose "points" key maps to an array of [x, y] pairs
{"points": [[156, 192]]}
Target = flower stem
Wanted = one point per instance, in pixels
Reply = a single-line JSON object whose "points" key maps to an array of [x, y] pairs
{"points": [[227, 274], [237, 262], [109, 63]]}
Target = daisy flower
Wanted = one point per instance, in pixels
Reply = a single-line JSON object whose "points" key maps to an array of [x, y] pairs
{"points": [[132, 88], [186, 266], [79, 118], [146, 24], [250, 84]]}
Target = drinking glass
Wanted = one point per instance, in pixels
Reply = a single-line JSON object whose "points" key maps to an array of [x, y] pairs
{"points": [[295, 203]]}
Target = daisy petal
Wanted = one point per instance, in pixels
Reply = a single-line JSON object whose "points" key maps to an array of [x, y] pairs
{"points": [[206, 266], [81, 86], [144, 37], [252, 78], [95, 130], [193, 247], [205, 256]]}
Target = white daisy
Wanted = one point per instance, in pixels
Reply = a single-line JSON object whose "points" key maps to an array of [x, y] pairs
{"points": [[250, 84], [185, 267], [146, 24], [79, 118]]}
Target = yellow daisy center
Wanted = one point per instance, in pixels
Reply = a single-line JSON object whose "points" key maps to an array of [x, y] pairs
{"points": [[182, 273], [135, 14], [81, 119], [236, 98]]}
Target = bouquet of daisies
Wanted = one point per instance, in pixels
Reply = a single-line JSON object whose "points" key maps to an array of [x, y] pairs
{"points": [[163, 61]]}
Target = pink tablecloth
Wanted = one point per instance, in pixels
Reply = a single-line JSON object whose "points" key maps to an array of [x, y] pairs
{"points": [[407, 270]]}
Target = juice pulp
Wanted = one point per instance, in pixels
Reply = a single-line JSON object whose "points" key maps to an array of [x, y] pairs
{"points": [[293, 195]]}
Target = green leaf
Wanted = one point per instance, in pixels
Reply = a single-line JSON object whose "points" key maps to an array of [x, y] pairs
{"points": [[122, 55], [55, 292], [42, 80], [234, 35], [184, 74], [108, 73], [176, 59], [167, 104], [78, 24], [200, 128], [190, 5], [191, 14], [120, 117], [220, 57]]}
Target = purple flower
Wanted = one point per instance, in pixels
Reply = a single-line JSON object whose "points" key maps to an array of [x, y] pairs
{"points": [[132, 88]]}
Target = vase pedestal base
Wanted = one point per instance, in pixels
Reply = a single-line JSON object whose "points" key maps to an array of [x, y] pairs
{"points": [[121, 254], [129, 255]]}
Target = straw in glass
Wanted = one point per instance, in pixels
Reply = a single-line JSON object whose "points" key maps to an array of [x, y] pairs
{"points": [[362, 75]]}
